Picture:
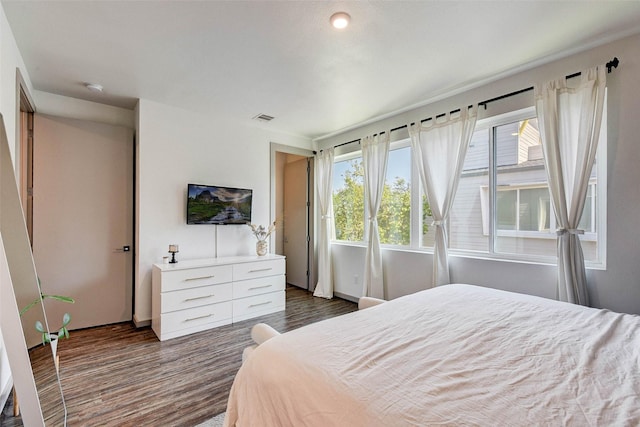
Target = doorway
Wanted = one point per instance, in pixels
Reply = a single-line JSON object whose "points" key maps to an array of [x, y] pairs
{"points": [[292, 206], [83, 217]]}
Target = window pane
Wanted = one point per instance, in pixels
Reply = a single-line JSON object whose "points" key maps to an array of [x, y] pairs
{"points": [[394, 217], [585, 221], [588, 221], [428, 230], [348, 200], [520, 167], [519, 207], [469, 216]]}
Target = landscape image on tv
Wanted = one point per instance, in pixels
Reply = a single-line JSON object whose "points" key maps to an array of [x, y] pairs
{"points": [[208, 204]]}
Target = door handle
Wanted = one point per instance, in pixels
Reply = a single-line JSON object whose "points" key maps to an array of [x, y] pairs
{"points": [[126, 248]]}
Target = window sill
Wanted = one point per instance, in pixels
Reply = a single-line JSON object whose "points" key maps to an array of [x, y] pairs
{"points": [[589, 265]]}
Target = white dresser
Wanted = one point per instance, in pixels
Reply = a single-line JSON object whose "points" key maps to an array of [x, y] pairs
{"points": [[194, 295]]}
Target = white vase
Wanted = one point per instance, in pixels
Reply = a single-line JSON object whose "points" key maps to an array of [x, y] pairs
{"points": [[261, 247], [54, 348], [54, 344]]}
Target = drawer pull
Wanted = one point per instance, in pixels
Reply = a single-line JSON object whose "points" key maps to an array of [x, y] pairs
{"points": [[199, 278], [197, 298], [260, 269], [198, 318], [259, 287], [259, 304]]}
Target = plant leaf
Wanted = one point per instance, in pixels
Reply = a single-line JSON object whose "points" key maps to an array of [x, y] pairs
{"points": [[39, 326], [27, 307], [60, 298]]}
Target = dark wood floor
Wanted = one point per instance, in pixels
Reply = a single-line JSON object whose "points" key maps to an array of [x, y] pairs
{"points": [[118, 375]]}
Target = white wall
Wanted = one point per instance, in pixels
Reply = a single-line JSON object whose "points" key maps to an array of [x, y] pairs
{"points": [[176, 147], [617, 287], [10, 59]]}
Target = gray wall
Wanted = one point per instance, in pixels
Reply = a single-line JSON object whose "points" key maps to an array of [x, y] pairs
{"points": [[618, 286]]}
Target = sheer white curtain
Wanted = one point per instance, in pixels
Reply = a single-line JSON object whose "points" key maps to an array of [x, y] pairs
{"points": [[324, 177], [375, 152], [569, 116], [439, 151]]}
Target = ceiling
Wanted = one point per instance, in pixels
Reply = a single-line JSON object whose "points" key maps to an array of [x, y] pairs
{"points": [[238, 59]]}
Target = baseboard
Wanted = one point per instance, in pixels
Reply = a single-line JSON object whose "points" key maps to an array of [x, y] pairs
{"points": [[141, 323]]}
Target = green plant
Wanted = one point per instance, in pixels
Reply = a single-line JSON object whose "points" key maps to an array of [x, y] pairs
{"points": [[63, 332]]}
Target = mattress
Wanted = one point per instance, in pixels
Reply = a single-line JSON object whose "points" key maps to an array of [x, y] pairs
{"points": [[452, 355]]}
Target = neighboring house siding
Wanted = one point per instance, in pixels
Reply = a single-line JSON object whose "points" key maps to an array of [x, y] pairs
{"points": [[467, 231]]}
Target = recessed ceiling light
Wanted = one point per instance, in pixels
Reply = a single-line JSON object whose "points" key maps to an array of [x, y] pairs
{"points": [[340, 20], [94, 87]]}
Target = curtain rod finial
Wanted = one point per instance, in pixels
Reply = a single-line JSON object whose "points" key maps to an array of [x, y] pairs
{"points": [[612, 64]]}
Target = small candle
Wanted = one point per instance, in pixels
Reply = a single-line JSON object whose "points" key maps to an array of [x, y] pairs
{"points": [[173, 248]]}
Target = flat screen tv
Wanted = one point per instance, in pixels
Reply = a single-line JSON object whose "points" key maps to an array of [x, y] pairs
{"points": [[209, 204]]}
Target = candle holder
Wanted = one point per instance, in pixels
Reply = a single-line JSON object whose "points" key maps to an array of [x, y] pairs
{"points": [[173, 249]]}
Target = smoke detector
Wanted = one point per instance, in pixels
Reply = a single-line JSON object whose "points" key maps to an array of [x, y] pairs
{"points": [[94, 87]]}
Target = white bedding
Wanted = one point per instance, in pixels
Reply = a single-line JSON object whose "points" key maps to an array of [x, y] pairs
{"points": [[452, 355]]}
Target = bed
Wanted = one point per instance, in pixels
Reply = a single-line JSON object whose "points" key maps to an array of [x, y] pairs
{"points": [[452, 355]]}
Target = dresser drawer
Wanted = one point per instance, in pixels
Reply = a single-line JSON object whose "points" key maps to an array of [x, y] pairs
{"points": [[261, 285], [195, 297], [246, 308], [193, 277], [194, 317], [251, 270]]}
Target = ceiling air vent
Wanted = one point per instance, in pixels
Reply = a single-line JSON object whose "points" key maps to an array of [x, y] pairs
{"points": [[263, 117]]}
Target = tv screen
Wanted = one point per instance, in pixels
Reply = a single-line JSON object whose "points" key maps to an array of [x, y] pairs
{"points": [[208, 204]]}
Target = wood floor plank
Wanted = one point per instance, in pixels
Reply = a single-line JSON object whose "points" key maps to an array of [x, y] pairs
{"points": [[119, 375]]}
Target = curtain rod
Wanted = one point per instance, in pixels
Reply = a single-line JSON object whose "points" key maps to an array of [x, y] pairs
{"points": [[610, 65]]}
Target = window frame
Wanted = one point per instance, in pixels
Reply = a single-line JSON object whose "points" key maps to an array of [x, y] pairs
{"points": [[488, 124], [600, 205]]}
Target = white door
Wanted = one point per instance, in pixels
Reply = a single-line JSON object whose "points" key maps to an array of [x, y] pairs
{"points": [[296, 245], [83, 219]]}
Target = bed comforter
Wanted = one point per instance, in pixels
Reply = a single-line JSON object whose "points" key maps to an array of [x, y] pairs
{"points": [[452, 355]]}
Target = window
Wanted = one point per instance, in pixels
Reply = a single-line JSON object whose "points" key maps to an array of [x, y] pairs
{"points": [[523, 209], [394, 216], [348, 198], [503, 205], [502, 208]]}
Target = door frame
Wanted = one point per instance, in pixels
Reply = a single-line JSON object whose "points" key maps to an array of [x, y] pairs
{"points": [[25, 110], [308, 153]]}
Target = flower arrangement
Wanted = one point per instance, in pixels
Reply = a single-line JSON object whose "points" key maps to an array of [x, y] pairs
{"points": [[261, 232]]}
